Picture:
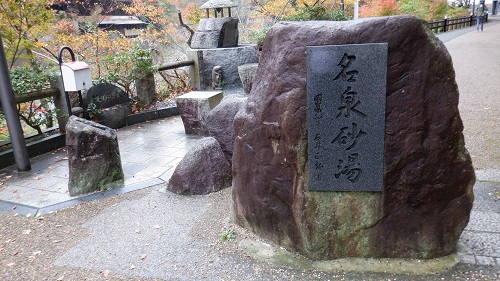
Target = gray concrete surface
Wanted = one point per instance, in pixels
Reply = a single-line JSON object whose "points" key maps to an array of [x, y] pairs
{"points": [[172, 237]]}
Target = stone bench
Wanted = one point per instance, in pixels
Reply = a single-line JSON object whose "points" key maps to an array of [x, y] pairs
{"points": [[194, 107]]}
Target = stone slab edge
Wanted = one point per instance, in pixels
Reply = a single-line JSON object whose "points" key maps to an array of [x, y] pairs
{"points": [[151, 115], [15, 208], [276, 255]]}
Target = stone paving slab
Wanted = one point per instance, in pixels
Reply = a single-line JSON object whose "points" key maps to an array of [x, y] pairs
{"points": [[149, 152]]}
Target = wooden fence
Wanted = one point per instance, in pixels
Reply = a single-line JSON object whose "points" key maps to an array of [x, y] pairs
{"points": [[450, 24]]}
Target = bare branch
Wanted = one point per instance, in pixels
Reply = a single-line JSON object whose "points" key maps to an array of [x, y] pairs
{"points": [[191, 31]]}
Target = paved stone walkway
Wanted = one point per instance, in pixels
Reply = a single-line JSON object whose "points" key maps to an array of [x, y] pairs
{"points": [[149, 152]]}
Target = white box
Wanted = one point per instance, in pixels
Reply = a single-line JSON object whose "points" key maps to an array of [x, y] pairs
{"points": [[76, 76]]}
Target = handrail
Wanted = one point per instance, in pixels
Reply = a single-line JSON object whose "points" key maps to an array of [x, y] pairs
{"points": [[449, 24], [45, 93], [176, 64], [36, 95]]}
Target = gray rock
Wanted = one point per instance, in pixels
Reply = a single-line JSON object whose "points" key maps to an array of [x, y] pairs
{"points": [[204, 169], [194, 108], [216, 33], [228, 58], [93, 156], [428, 176], [247, 74], [146, 89], [219, 123]]}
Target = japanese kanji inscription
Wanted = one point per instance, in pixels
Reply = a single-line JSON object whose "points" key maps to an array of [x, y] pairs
{"points": [[346, 92]]}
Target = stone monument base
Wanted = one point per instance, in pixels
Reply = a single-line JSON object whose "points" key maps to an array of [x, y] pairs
{"points": [[228, 58]]}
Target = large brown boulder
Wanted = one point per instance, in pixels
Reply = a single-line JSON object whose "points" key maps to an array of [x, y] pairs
{"points": [[427, 192]]}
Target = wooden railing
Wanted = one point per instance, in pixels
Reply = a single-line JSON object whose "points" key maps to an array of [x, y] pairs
{"points": [[176, 64], [450, 24]]}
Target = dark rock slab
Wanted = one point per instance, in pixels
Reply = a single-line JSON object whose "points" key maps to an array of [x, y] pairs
{"points": [[219, 123], [112, 105], [203, 170], [427, 192], [115, 117], [93, 156], [104, 95]]}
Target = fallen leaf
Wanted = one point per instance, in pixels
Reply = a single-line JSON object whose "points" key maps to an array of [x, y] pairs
{"points": [[143, 257], [105, 273], [62, 159]]}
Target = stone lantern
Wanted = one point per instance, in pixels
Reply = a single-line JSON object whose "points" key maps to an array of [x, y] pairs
{"points": [[218, 31], [215, 48], [218, 7]]}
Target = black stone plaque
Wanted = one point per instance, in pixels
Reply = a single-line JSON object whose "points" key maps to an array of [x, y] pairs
{"points": [[346, 93], [104, 96]]}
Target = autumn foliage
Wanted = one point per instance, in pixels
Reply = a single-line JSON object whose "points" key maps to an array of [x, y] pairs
{"points": [[424, 9], [380, 8]]}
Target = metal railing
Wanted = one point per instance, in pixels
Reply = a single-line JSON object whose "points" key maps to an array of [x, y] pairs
{"points": [[438, 26]]}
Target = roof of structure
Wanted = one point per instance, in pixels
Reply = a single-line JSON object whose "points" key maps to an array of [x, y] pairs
{"points": [[119, 20], [212, 4]]}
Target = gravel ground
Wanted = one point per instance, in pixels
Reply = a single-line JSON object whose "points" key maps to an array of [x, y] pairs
{"points": [[114, 239]]}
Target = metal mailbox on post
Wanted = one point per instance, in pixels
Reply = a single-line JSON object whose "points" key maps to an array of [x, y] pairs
{"points": [[76, 76]]}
